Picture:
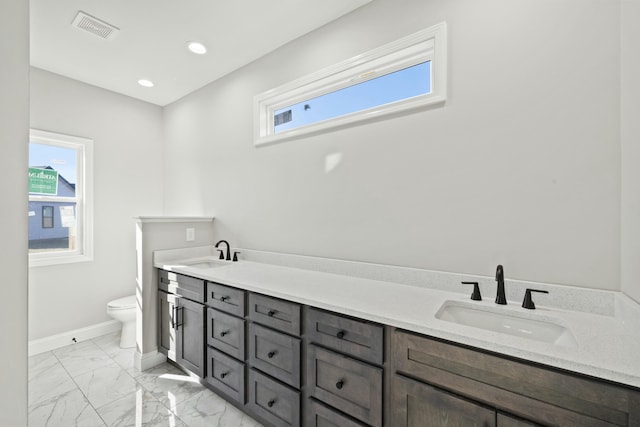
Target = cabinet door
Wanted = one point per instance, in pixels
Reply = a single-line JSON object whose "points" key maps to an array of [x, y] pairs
{"points": [[166, 324], [415, 404], [190, 336]]}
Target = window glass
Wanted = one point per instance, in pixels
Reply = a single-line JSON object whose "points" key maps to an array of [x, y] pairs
{"points": [[59, 206], [403, 84], [52, 177]]}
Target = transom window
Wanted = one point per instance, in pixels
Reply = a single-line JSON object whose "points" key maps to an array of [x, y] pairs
{"points": [[401, 76], [60, 208]]}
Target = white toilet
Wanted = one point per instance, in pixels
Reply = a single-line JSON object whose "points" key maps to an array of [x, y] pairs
{"points": [[124, 310]]}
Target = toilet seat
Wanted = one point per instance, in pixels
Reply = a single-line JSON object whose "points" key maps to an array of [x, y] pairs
{"points": [[122, 303]]}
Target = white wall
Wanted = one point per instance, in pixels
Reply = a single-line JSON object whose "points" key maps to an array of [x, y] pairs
{"points": [[14, 134], [521, 167], [630, 139], [128, 163]]}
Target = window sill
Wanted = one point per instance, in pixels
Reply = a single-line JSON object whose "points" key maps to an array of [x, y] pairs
{"points": [[374, 114], [49, 260]]}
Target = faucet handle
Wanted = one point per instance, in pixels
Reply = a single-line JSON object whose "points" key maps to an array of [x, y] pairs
{"points": [[528, 302], [235, 255], [221, 253], [476, 291]]}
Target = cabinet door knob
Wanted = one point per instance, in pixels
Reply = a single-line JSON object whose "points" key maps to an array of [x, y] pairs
{"points": [[340, 384], [271, 354], [340, 334], [223, 333], [224, 374], [271, 313], [224, 298], [271, 403]]}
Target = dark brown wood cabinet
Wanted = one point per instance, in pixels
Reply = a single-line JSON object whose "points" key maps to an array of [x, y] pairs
{"points": [[181, 320], [289, 365], [274, 360], [320, 415], [226, 341], [344, 369], [226, 333], [519, 393], [226, 374], [416, 404], [349, 385], [272, 401], [347, 335], [504, 420], [275, 353]]}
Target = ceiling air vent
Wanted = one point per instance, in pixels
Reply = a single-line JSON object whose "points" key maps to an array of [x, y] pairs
{"points": [[95, 26]]}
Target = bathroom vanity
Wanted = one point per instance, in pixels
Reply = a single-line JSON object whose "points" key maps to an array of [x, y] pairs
{"points": [[298, 347]]}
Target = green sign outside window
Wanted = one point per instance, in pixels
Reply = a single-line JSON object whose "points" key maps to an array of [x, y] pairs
{"points": [[43, 181]]}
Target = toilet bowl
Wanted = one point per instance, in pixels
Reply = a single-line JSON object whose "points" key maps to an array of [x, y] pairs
{"points": [[124, 310]]}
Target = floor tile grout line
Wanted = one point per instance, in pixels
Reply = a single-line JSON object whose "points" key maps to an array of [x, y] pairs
{"points": [[78, 387], [145, 389], [136, 379]]}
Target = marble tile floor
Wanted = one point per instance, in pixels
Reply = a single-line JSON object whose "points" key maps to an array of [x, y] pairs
{"points": [[94, 384]]}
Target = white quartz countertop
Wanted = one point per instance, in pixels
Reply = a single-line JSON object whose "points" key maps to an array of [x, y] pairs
{"points": [[608, 346]]}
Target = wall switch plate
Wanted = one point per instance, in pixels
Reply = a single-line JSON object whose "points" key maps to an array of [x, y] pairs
{"points": [[191, 234]]}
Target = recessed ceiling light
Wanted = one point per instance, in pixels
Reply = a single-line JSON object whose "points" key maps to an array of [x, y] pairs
{"points": [[145, 83], [197, 47]]}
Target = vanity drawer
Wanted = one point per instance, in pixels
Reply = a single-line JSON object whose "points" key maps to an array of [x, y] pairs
{"points": [[179, 284], [226, 298], [319, 415], [357, 338], [275, 313], [275, 353], [542, 395], [226, 333], [275, 402], [347, 384], [226, 375]]}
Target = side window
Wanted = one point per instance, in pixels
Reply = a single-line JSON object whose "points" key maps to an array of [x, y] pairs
{"points": [[47, 217], [60, 199], [405, 75]]}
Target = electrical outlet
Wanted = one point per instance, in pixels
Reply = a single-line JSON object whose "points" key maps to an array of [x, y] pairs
{"points": [[191, 234]]}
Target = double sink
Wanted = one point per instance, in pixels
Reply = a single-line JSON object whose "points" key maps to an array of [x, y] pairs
{"points": [[531, 326]]}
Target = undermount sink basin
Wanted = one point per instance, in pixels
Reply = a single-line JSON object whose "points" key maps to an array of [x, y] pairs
{"points": [[206, 264], [497, 320]]}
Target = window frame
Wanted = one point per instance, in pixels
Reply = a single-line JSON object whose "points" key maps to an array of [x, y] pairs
{"points": [[83, 199], [427, 45]]}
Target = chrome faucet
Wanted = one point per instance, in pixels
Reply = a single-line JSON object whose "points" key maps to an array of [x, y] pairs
{"points": [[228, 256], [500, 297]]}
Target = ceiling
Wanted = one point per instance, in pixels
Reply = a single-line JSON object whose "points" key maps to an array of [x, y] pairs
{"points": [[152, 37]]}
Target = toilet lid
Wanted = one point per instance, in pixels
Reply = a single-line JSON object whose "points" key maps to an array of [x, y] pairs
{"points": [[123, 303]]}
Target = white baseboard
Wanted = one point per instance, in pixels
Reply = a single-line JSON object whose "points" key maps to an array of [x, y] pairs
{"points": [[146, 361], [66, 338]]}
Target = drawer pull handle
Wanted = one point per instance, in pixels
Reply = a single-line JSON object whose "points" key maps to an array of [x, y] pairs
{"points": [[340, 334], [224, 298], [340, 384], [271, 313], [271, 354], [223, 333], [224, 374], [271, 403]]}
